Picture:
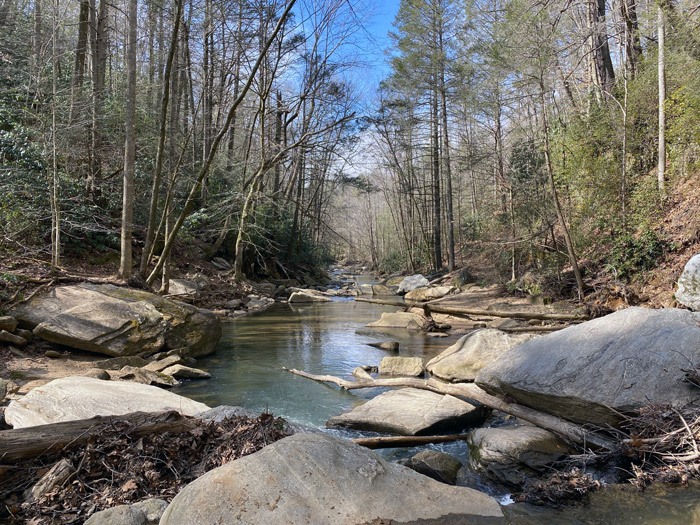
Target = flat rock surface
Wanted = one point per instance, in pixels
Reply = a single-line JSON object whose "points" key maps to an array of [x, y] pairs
{"points": [[75, 397], [591, 372], [408, 412], [463, 360], [319, 479]]}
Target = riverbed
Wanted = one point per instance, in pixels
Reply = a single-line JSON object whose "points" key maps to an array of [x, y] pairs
{"points": [[331, 338]]}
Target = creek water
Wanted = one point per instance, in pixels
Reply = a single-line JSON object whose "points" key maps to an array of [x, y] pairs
{"points": [[331, 338]]}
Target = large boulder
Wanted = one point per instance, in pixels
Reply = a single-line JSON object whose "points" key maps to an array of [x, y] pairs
{"points": [[412, 282], [431, 293], [688, 292], [119, 321], [410, 412], [595, 371], [463, 360], [71, 398], [410, 320], [512, 455], [316, 478]]}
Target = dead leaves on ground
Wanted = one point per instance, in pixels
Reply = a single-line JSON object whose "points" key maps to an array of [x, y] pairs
{"points": [[116, 468]]}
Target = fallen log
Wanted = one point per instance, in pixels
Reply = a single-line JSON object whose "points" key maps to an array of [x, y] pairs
{"points": [[571, 432], [405, 441], [467, 312], [31, 442]]}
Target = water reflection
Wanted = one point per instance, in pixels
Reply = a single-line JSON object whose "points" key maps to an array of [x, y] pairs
{"points": [[324, 338]]}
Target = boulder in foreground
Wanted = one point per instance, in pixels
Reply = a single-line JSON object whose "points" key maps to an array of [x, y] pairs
{"points": [[119, 321], [72, 398], [316, 478], [410, 412], [597, 370]]}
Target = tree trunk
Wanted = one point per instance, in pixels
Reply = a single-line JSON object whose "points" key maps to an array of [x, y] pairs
{"points": [[555, 197], [125, 263], [160, 153], [661, 167]]}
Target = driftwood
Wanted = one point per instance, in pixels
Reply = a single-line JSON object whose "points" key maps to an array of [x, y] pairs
{"points": [[56, 476], [545, 329], [31, 442], [573, 433], [405, 441], [466, 312]]}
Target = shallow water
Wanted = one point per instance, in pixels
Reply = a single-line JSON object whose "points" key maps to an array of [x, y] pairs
{"points": [[331, 338], [322, 338]]}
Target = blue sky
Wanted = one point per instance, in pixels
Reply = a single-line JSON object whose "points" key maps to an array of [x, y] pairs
{"points": [[379, 24]]}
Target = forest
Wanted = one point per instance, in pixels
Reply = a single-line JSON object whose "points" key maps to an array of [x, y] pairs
{"points": [[535, 142]]}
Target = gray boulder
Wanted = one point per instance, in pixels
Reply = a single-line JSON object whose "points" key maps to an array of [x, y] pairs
{"points": [[119, 515], [410, 412], [401, 366], [119, 321], [315, 479], [153, 508], [71, 398], [412, 282], [463, 360], [425, 293], [308, 297], [512, 455], [437, 465], [8, 323], [409, 320], [594, 371], [688, 292], [186, 372]]}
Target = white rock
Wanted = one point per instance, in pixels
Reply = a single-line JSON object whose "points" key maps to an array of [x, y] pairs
{"points": [[688, 292], [72, 398]]}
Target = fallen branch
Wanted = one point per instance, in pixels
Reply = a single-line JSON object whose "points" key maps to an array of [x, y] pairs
{"points": [[31, 442], [405, 441], [467, 312], [471, 392]]}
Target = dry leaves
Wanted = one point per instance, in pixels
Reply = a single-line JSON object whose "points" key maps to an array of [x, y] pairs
{"points": [[116, 468]]}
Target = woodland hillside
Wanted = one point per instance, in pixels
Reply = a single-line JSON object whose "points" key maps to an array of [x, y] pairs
{"points": [[551, 145]]}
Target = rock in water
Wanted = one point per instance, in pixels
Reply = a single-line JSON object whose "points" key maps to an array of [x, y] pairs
{"points": [[308, 297], [319, 479], [73, 398], [592, 372], [412, 282], [688, 292], [119, 321], [425, 293], [513, 455], [410, 412], [407, 320], [463, 360], [401, 366]]}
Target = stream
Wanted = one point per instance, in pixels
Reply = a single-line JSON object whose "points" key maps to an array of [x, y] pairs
{"points": [[331, 338]]}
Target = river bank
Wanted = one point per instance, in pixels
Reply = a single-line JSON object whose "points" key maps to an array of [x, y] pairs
{"points": [[308, 336]]}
